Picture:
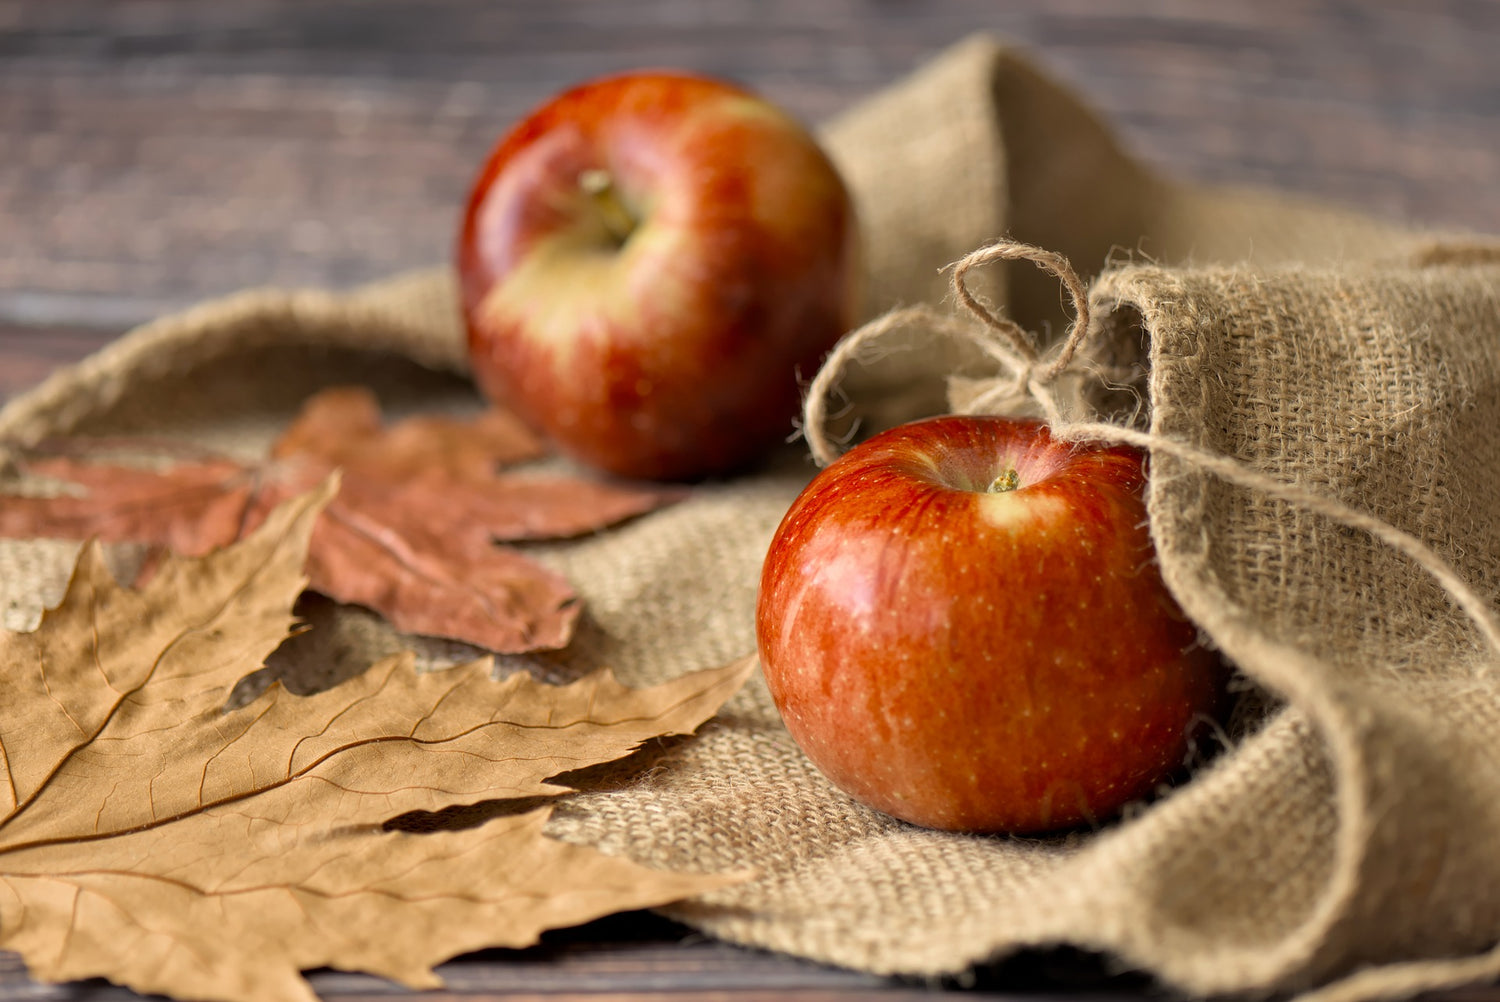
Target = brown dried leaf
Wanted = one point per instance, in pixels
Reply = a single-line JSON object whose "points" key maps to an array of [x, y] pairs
{"points": [[149, 838], [411, 534], [191, 508], [342, 427], [401, 554]]}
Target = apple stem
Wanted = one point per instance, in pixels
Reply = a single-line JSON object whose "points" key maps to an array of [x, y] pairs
{"points": [[599, 185], [1007, 481]]}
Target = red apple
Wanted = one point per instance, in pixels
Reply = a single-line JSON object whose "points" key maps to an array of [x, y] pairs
{"points": [[649, 262], [962, 624]]}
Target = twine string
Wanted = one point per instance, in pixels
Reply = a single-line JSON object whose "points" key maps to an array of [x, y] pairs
{"points": [[820, 390], [1055, 265], [1028, 372], [1240, 474]]}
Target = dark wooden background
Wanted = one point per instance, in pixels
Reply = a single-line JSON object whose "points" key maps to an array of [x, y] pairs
{"points": [[158, 152]]}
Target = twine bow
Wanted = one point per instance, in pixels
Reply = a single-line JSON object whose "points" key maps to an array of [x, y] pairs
{"points": [[1034, 376]]}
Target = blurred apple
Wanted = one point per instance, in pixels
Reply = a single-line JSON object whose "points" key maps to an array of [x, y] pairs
{"points": [[962, 624], [649, 262]]}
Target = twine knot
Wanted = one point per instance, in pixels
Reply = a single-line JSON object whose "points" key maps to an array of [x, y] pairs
{"points": [[1036, 382], [1029, 377]]}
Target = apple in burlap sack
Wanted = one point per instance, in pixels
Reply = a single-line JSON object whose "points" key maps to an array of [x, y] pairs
{"points": [[648, 263], [962, 624]]}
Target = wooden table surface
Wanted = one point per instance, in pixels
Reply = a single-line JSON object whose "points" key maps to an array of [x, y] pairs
{"points": [[158, 152]]}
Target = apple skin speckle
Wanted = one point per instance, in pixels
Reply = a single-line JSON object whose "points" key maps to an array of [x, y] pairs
{"points": [[1021, 674]]}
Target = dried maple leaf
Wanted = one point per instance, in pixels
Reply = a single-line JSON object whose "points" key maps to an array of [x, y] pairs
{"points": [[342, 427], [192, 508], [152, 839], [411, 535]]}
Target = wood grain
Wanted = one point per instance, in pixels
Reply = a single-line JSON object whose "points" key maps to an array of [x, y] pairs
{"points": [[641, 956], [162, 151]]}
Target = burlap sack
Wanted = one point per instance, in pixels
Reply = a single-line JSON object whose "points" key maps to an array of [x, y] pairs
{"points": [[1347, 840]]}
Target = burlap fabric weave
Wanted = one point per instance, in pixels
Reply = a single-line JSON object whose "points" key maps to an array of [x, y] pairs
{"points": [[1349, 841]]}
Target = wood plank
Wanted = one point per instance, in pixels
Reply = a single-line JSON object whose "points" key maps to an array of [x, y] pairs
{"points": [[641, 956], [159, 153]]}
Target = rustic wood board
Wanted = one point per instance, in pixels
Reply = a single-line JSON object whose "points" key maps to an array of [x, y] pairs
{"points": [[157, 153]]}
